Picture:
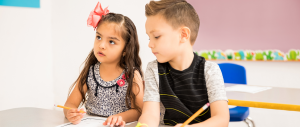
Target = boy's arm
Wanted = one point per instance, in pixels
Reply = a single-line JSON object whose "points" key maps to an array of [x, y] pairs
{"points": [[150, 114], [151, 108], [219, 116]]}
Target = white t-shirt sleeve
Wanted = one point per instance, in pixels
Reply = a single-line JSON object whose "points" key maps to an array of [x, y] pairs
{"points": [[151, 92], [214, 82]]}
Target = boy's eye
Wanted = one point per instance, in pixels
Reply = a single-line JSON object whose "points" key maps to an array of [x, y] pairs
{"points": [[111, 42], [98, 38]]}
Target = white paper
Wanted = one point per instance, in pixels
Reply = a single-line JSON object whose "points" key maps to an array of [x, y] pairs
{"points": [[88, 122], [247, 88]]}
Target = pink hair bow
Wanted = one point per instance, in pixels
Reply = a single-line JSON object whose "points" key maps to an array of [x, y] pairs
{"points": [[96, 15]]}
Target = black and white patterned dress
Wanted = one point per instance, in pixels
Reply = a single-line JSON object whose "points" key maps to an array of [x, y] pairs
{"points": [[109, 98]]}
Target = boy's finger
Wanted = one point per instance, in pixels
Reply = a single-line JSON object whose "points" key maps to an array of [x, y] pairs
{"points": [[113, 121]]}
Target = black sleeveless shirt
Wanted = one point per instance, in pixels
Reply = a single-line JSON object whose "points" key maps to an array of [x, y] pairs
{"points": [[183, 92]]}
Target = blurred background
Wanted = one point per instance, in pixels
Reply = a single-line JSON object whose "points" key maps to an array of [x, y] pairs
{"points": [[43, 44]]}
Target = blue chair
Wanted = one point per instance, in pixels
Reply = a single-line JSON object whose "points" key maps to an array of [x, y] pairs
{"points": [[233, 73]]}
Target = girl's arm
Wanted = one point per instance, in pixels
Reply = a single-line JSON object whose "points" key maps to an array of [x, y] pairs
{"points": [[73, 101], [132, 114], [219, 116]]}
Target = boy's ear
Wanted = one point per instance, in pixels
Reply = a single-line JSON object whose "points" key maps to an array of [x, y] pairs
{"points": [[185, 34]]}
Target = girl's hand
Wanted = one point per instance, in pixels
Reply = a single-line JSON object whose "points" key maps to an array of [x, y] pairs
{"points": [[74, 116], [115, 120], [179, 125]]}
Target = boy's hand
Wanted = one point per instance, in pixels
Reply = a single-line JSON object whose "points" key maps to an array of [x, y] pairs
{"points": [[74, 116], [115, 121], [179, 125]]}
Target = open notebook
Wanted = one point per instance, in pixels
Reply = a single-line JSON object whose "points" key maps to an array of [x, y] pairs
{"points": [[88, 122]]}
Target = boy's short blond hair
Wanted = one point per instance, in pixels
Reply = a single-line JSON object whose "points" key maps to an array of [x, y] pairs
{"points": [[176, 12]]}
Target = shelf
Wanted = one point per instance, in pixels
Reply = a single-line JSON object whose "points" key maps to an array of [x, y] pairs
{"points": [[257, 60]]}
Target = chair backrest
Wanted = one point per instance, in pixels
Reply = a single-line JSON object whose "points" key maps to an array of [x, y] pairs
{"points": [[233, 73]]}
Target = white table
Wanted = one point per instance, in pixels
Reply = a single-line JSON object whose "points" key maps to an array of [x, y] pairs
{"points": [[274, 98], [35, 117]]}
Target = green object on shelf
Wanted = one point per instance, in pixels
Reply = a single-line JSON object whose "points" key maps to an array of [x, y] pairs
{"points": [[249, 56], [259, 56], [292, 55], [229, 56], [237, 56], [268, 55], [212, 55], [205, 55]]}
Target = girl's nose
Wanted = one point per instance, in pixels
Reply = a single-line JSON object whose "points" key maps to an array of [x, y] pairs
{"points": [[102, 45]]}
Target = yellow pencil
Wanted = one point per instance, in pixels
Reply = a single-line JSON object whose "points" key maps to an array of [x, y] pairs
{"points": [[195, 115], [81, 111]]}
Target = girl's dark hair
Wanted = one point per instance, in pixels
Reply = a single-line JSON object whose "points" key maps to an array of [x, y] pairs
{"points": [[131, 62]]}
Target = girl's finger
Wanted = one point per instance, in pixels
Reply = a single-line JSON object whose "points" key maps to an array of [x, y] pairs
{"points": [[82, 109], [113, 121], [74, 119], [108, 120], [119, 120], [122, 124], [74, 114], [76, 122]]}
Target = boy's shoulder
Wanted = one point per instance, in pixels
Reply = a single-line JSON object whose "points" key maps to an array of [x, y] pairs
{"points": [[209, 65], [152, 64]]}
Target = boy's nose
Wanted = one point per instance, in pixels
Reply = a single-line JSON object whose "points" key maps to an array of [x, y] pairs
{"points": [[150, 45]]}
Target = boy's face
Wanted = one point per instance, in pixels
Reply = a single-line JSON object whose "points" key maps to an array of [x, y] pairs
{"points": [[164, 40]]}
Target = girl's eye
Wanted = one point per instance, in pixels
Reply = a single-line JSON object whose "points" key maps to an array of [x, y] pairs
{"points": [[98, 38], [111, 42], [157, 37]]}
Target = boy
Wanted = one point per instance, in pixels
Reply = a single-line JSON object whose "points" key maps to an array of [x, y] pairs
{"points": [[179, 82]]}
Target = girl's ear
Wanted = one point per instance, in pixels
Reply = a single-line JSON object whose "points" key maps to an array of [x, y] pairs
{"points": [[185, 34], [124, 53]]}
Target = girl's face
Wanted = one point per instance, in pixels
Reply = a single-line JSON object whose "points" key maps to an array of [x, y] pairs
{"points": [[108, 45]]}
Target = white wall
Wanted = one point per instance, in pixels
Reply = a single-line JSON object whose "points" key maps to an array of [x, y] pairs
{"points": [[26, 71]]}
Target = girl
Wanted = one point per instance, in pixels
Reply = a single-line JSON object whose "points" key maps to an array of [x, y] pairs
{"points": [[110, 84]]}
